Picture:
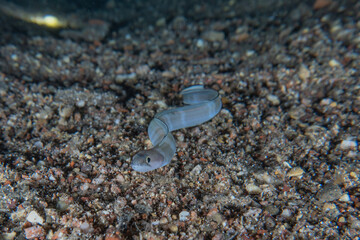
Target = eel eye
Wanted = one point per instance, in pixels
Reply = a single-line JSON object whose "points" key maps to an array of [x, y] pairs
{"points": [[148, 159]]}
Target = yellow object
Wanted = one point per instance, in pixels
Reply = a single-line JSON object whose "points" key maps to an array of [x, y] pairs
{"points": [[47, 20]]}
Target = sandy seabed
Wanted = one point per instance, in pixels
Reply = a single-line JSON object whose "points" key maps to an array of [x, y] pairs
{"points": [[280, 161]]}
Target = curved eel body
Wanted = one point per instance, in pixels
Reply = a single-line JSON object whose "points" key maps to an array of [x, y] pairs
{"points": [[203, 105]]}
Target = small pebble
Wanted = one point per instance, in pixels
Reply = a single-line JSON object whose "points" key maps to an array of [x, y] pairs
{"points": [[38, 144], [253, 212], [241, 37], [86, 227], [196, 170], [334, 63], [348, 145], [163, 220], [295, 172], [326, 102], [66, 112], [155, 223], [183, 216], [173, 228], [200, 43], [84, 187], [329, 206], [355, 224], [252, 189], [250, 53], [263, 177], [179, 22], [354, 176], [9, 236], [329, 192], [35, 218], [272, 210], [66, 59], [296, 113], [80, 103], [345, 198], [14, 57], [318, 4], [304, 72], [120, 78], [34, 232], [168, 74], [216, 217], [62, 205], [142, 70], [214, 36], [273, 99], [286, 213], [270, 223], [99, 180], [161, 22], [218, 236]]}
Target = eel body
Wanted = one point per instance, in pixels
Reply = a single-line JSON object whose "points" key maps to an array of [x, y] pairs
{"points": [[202, 105]]}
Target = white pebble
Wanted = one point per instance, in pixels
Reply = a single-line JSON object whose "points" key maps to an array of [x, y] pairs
{"points": [[99, 180], [348, 144], [183, 216], [286, 213], [38, 144], [253, 212], [161, 104], [86, 227], [196, 170], [155, 223], [345, 198], [250, 53], [200, 43], [52, 178], [120, 78], [334, 63], [66, 59], [84, 186], [34, 218], [253, 189], [80, 103], [326, 101], [14, 57], [273, 99]]}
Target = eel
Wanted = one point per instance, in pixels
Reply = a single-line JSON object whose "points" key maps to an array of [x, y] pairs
{"points": [[202, 105]]}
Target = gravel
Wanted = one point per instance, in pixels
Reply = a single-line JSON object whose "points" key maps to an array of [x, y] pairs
{"points": [[280, 161]]}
